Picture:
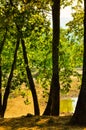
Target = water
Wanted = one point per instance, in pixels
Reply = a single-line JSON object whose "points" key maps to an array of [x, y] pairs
{"points": [[67, 105]]}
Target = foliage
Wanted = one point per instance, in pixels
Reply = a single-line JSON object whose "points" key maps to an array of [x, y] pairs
{"points": [[69, 59], [30, 21], [35, 27], [76, 25]]}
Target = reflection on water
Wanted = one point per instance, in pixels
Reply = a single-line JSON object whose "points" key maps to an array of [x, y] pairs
{"points": [[68, 105]]}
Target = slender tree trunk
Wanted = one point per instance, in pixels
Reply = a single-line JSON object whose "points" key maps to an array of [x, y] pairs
{"points": [[7, 90], [0, 85], [31, 82], [79, 116], [1, 48], [53, 102], [48, 107]]}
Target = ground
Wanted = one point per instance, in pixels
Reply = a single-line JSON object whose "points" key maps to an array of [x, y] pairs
{"points": [[17, 117], [38, 123]]}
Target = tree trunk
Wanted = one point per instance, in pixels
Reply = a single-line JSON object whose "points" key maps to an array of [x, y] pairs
{"points": [[7, 90], [79, 116], [1, 48], [0, 85], [31, 82], [53, 102], [48, 107]]}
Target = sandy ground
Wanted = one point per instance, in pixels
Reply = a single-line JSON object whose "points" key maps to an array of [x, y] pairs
{"points": [[16, 115], [16, 118]]}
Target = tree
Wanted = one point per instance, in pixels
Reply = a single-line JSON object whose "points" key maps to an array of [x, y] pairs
{"points": [[79, 116], [52, 107], [7, 90], [1, 48], [76, 24], [36, 39], [69, 60], [21, 23], [30, 79]]}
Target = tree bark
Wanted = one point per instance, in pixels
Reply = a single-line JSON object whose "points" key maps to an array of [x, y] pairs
{"points": [[53, 102], [79, 116], [49, 103], [30, 79], [0, 84], [7, 90], [1, 48]]}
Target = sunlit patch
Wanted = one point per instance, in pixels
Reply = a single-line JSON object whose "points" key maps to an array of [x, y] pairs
{"points": [[5, 128]]}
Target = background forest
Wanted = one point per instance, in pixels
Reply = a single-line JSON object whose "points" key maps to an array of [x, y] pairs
{"points": [[29, 53]]}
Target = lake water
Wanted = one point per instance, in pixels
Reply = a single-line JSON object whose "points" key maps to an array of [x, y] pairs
{"points": [[67, 105]]}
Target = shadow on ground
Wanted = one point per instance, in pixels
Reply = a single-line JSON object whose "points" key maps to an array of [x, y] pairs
{"points": [[38, 123]]}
